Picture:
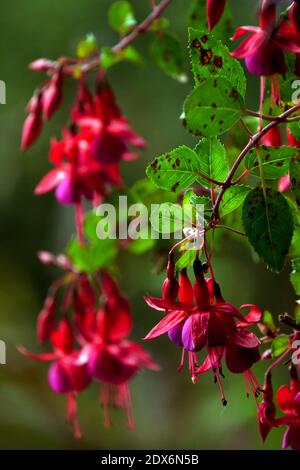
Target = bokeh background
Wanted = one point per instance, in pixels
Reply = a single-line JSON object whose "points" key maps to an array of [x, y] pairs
{"points": [[170, 412]]}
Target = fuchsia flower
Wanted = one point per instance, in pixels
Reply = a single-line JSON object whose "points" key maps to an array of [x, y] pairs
{"points": [[94, 348], [202, 319], [263, 50], [110, 357], [87, 159], [67, 374], [288, 400]]}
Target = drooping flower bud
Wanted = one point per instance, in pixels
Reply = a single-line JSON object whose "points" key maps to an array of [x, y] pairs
{"points": [[185, 288], [214, 11], [266, 409], [201, 292], [53, 95], [170, 287], [45, 320], [33, 124]]}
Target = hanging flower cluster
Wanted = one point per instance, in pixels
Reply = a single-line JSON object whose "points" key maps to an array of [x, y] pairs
{"points": [[89, 343], [202, 319], [254, 195]]}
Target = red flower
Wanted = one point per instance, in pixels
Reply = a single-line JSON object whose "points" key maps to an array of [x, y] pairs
{"points": [[263, 50], [67, 374], [87, 158], [110, 357], [202, 319], [288, 400]]}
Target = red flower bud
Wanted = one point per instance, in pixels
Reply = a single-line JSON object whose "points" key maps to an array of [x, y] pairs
{"points": [[45, 321], [214, 10], [266, 410], [31, 130], [52, 96], [170, 286], [185, 288], [201, 292]]}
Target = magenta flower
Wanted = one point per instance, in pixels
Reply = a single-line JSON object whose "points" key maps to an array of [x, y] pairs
{"points": [[263, 50], [202, 319]]}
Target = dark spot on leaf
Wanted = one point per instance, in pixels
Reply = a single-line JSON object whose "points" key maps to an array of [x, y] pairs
{"points": [[218, 61], [204, 38], [196, 43], [175, 186]]}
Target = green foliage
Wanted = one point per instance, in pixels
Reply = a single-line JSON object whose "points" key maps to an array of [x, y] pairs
{"points": [[268, 321], [294, 127], [274, 160], [167, 52], [295, 177], [175, 170], [268, 223], [279, 345], [212, 108], [86, 47], [96, 255], [121, 16], [182, 167], [295, 275], [108, 58], [233, 198], [210, 58], [186, 259], [212, 158]]}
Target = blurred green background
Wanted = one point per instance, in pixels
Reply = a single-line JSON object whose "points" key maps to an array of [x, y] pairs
{"points": [[170, 412]]}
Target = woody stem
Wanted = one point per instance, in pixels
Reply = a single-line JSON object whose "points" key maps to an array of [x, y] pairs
{"points": [[253, 142], [142, 27]]}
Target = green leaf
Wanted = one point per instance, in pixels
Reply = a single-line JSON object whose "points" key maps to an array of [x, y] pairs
{"points": [[121, 16], [280, 345], [212, 156], [194, 199], [94, 256], [295, 275], [233, 198], [146, 192], [295, 129], [268, 321], [210, 58], [176, 170], [268, 223], [180, 168], [212, 108], [167, 52], [198, 20], [275, 160], [108, 58], [295, 177], [141, 245], [186, 259], [86, 47]]}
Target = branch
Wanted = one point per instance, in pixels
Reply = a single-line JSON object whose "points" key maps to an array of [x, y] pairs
{"points": [[253, 141], [125, 41], [266, 117]]}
